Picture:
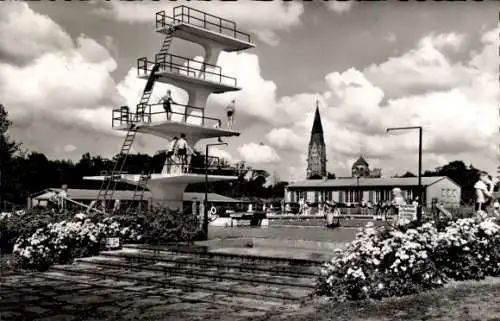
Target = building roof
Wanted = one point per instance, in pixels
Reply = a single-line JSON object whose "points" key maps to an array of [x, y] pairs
{"points": [[317, 126], [365, 182], [212, 197], [91, 194], [360, 162]]}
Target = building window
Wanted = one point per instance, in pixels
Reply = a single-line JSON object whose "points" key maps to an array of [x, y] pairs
{"points": [[442, 192]]}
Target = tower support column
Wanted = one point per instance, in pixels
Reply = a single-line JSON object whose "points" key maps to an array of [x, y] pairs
{"points": [[167, 195]]}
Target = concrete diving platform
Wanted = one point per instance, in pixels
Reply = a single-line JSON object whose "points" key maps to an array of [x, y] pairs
{"points": [[203, 28], [182, 71], [167, 190], [199, 79], [183, 119]]}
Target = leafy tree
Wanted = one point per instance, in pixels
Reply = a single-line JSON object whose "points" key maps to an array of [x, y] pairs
{"points": [[8, 151], [460, 173], [408, 174]]}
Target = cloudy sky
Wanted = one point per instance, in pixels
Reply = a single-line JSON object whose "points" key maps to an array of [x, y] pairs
{"points": [[65, 65]]}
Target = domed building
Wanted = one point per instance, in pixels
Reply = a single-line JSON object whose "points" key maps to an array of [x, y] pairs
{"points": [[360, 168]]}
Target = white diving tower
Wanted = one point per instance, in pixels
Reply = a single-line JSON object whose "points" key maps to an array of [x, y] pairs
{"points": [[199, 80]]}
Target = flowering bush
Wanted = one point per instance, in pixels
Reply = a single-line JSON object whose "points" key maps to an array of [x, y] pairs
{"points": [[60, 243], [15, 225], [84, 235], [382, 262]]}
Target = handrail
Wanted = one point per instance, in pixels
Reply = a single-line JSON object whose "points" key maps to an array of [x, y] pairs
{"points": [[145, 66], [186, 14], [122, 115], [170, 62], [162, 57]]}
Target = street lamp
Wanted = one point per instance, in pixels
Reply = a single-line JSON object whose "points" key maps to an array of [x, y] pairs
{"points": [[205, 209], [420, 198], [358, 194]]}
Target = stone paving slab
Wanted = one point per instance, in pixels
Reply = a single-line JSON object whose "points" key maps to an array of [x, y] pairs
{"points": [[22, 299], [277, 292]]}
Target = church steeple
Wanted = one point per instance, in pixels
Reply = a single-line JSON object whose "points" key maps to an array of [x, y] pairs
{"points": [[316, 160], [317, 127]]}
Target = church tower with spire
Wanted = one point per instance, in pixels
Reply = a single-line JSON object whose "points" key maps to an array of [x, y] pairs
{"points": [[316, 158]]}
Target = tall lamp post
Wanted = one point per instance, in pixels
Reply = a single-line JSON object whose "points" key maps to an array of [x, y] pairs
{"points": [[205, 209], [358, 194], [419, 193]]}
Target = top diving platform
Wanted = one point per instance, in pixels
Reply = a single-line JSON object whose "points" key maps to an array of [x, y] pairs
{"points": [[203, 28]]}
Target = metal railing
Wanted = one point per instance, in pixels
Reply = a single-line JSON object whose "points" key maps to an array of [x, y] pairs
{"points": [[184, 66], [195, 164], [187, 67], [201, 19], [155, 113]]}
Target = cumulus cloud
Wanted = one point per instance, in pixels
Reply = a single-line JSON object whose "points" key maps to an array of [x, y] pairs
{"points": [[220, 153], [69, 148], [250, 16], [444, 41], [38, 35], [340, 7], [65, 83], [59, 80], [391, 37], [423, 69], [420, 87], [285, 138], [457, 108], [254, 153]]}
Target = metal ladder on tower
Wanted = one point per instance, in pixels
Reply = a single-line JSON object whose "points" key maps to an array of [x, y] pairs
{"points": [[139, 191], [106, 192], [148, 90]]}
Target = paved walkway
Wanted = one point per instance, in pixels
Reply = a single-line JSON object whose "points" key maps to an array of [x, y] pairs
{"points": [[55, 296], [46, 296]]}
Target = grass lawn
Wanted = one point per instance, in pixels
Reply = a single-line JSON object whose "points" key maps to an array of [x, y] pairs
{"points": [[459, 301]]}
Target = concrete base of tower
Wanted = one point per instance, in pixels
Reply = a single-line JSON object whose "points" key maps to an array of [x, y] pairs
{"points": [[194, 133], [167, 190]]}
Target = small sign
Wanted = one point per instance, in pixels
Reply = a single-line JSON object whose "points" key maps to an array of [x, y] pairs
{"points": [[113, 242], [407, 214]]}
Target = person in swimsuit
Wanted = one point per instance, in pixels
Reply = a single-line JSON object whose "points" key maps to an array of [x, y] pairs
{"points": [[183, 150], [167, 103], [170, 153], [230, 109]]}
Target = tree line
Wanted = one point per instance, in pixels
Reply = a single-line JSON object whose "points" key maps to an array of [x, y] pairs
{"points": [[23, 173]]}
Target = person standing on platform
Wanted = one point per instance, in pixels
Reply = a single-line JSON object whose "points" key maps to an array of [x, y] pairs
{"points": [[483, 193], [170, 153], [167, 103], [230, 109], [183, 151]]}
